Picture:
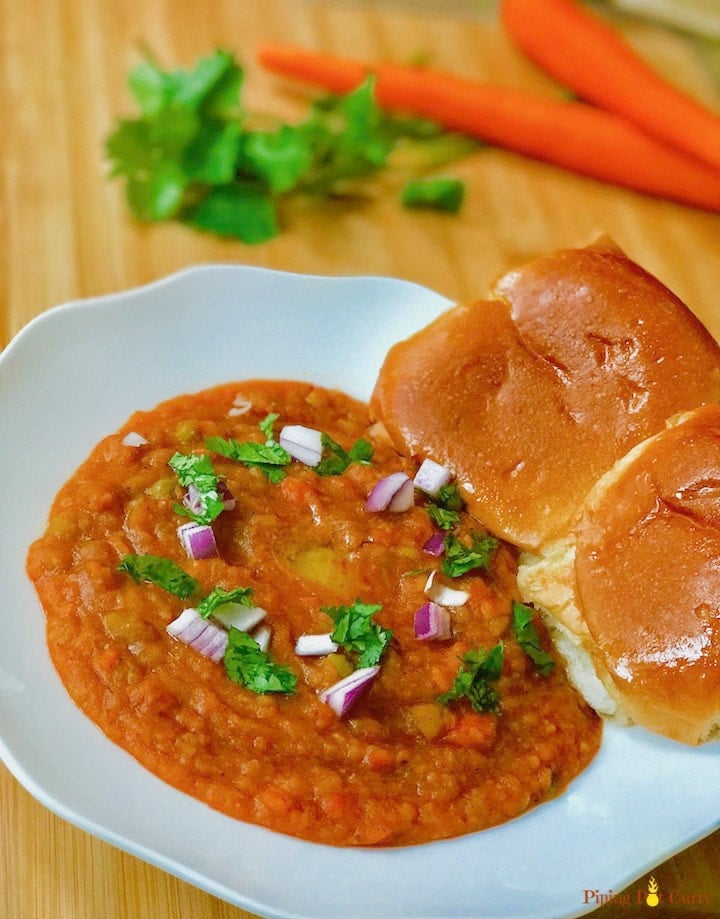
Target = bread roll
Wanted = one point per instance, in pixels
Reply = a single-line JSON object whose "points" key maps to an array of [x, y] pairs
{"points": [[532, 397], [632, 596]]}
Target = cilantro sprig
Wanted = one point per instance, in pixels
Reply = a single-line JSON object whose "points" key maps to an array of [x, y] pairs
{"points": [[445, 507], [356, 631], [527, 637], [196, 470], [269, 458], [247, 664], [337, 460], [160, 571], [461, 558], [474, 681], [218, 597], [190, 156]]}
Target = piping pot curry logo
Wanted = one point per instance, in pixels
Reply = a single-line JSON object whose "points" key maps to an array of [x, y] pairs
{"points": [[652, 898]]}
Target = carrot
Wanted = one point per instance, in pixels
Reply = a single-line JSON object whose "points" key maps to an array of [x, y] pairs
{"points": [[569, 134], [588, 56]]}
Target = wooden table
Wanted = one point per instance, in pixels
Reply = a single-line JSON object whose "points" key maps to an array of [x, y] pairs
{"points": [[67, 234]]}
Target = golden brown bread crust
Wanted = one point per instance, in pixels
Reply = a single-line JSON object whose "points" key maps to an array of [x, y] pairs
{"points": [[531, 399], [647, 567]]}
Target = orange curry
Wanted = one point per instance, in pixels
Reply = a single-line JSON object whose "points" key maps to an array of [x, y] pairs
{"points": [[400, 767]]}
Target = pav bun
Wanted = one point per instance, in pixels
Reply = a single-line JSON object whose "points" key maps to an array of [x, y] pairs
{"points": [[531, 397], [576, 411], [632, 596]]}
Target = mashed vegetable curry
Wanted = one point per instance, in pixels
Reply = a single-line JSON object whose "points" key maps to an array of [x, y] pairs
{"points": [[452, 734]]}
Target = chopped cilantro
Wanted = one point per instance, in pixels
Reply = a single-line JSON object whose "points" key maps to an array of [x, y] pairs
{"points": [[340, 459], [269, 459], [445, 507], [473, 682], [459, 558], [161, 571], [355, 631], [266, 426], [527, 637], [245, 663], [218, 597], [189, 155], [196, 469], [434, 194]]}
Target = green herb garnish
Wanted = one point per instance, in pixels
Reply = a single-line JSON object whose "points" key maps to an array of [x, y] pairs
{"points": [[269, 458], [196, 469], [355, 631], [266, 426], [459, 558], [434, 194], [527, 637], [340, 459], [160, 571], [445, 507], [190, 155], [246, 664], [218, 597], [473, 682]]}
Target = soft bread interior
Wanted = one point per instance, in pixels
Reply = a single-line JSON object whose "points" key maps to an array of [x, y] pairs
{"points": [[548, 582]]}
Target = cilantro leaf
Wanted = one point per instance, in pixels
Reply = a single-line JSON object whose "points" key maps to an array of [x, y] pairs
{"points": [[246, 664], [356, 631], [243, 210], [445, 507], [160, 571], [266, 426], [459, 558], [480, 669], [268, 458], [278, 157], [527, 637], [196, 470], [434, 194], [212, 153], [218, 597], [340, 459]]}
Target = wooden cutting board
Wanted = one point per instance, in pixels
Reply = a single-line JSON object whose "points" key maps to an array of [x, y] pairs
{"points": [[67, 234]]}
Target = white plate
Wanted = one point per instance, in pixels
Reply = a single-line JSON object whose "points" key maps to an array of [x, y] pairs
{"points": [[75, 374]]}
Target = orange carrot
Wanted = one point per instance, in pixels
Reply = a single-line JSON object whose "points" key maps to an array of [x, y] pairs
{"points": [[588, 56], [572, 135]]}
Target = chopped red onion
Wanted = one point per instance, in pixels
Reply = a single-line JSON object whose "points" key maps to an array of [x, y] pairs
{"points": [[133, 439], [303, 444], [192, 500], [445, 596], [198, 540], [263, 636], [432, 621], [393, 493], [436, 544], [225, 495], [237, 616], [344, 694], [315, 645], [204, 637], [431, 477]]}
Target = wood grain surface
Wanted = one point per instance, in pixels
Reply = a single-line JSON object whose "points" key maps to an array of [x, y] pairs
{"points": [[66, 233]]}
